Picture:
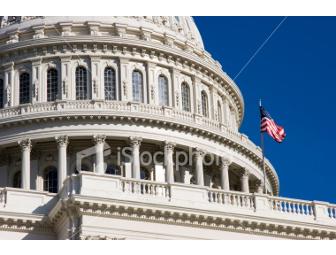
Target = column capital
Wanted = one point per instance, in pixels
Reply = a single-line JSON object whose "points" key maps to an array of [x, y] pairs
{"points": [[135, 140], [226, 161], [25, 144], [169, 145], [99, 139], [245, 173], [199, 152], [62, 140]]}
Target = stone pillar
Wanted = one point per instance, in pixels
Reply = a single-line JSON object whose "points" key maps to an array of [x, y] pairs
{"points": [[62, 144], [225, 182], [196, 95], [151, 78], [169, 163], [259, 187], [135, 143], [125, 80], [99, 141], [36, 81], [199, 155], [66, 91], [244, 179], [25, 163], [97, 88], [212, 103], [227, 113], [9, 85]]}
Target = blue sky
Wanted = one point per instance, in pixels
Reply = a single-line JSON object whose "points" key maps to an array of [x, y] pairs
{"points": [[295, 75]]}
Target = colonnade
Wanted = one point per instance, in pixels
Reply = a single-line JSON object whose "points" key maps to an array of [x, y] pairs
{"points": [[135, 143]]}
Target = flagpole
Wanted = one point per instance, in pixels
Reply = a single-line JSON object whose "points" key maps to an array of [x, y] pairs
{"points": [[263, 152]]}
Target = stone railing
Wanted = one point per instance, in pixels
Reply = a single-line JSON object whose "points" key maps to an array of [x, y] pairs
{"points": [[155, 189], [198, 197], [234, 199]]}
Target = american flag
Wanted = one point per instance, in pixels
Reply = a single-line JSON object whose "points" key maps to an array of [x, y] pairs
{"points": [[267, 124]]}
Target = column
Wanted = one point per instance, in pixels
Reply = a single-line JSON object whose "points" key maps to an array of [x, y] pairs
{"points": [[199, 154], [169, 163], [225, 183], [65, 91], [244, 179], [97, 87], [227, 113], [152, 88], [259, 187], [196, 101], [135, 143], [125, 80], [25, 163], [36, 81], [62, 144], [99, 141], [212, 103], [9, 85]]}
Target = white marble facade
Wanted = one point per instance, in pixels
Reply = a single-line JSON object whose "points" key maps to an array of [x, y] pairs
{"points": [[89, 87]]}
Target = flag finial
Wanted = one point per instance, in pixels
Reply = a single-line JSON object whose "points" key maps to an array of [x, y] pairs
{"points": [[260, 102]]}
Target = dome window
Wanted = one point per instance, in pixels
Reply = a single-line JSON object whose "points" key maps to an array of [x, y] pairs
{"points": [[185, 93], [205, 104], [81, 83], [110, 84], [52, 84], [24, 88], [163, 90], [137, 86], [17, 180]]}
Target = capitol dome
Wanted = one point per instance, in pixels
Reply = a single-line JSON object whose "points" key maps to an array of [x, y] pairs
{"points": [[87, 103]]}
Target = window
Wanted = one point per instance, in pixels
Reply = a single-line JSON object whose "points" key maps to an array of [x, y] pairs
{"points": [[163, 90], [52, 83], [81, 83], [50, 180], [110, 84], [137, 86], [220, 112], [185, 91], [17, 180], [112, 169], [24, 88], [1, 94], [205, 108]]}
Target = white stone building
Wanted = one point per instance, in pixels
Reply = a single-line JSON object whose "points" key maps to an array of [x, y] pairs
{"points": [[76, 91]]}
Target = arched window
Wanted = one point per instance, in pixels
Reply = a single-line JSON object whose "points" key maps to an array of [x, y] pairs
{"points": [[137, 86], [24, 88], [17, 180], [81, 83], [163, 90], [52, 84], [185, 94], [112, 169], [1, 94], [205, 108], [50, 179], [220, 112], [110, 84]]}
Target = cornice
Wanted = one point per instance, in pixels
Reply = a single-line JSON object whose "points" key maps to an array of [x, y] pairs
{"points": [[198, 219]]}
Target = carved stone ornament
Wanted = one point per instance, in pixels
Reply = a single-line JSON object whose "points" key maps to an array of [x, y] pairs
{"points": [[62, 140], [99, 139]]}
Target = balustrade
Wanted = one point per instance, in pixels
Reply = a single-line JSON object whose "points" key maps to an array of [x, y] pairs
{"points": [[332, 211], [142, 187], [291, 206], [234, 199]]}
